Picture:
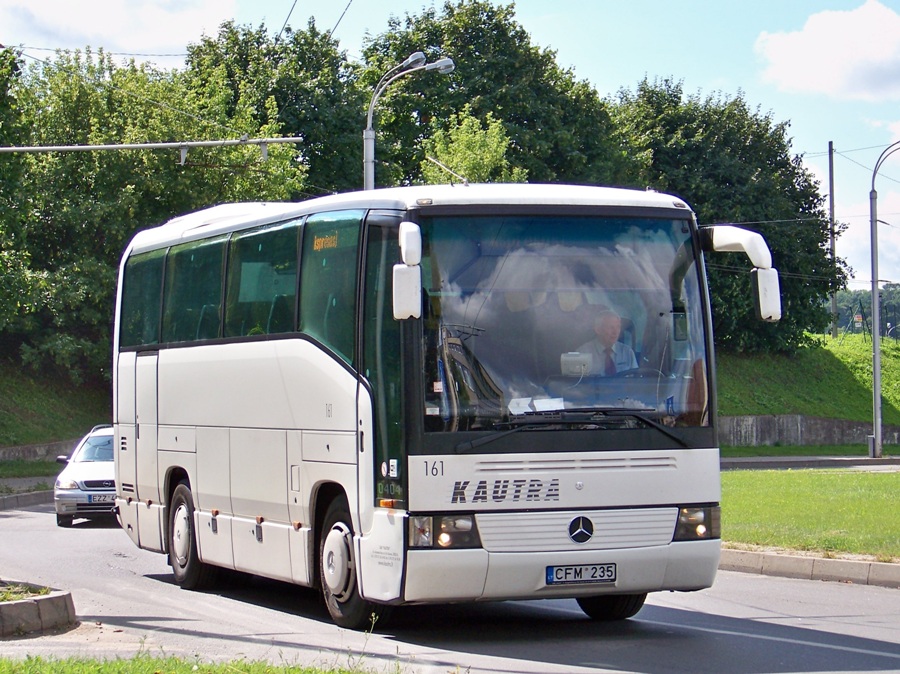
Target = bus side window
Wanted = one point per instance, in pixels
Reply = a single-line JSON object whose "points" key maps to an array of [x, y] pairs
{"points": [[141, 290], [328, 279], [262, 281], [193, 291]]}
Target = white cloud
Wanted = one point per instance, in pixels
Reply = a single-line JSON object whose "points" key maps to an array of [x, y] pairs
{"points": [[118, 26], [843, 54]]}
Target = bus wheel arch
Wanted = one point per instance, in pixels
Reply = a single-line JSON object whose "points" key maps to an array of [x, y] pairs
{"points": [[181, 541], [336, 568]]}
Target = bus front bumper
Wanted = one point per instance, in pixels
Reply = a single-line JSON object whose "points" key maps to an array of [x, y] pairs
{"points": [[477, 575]]}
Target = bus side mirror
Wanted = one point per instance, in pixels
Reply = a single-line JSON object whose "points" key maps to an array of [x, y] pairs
{"points": [[407, 281], [766, 294], [410, 243], [766, 289]]}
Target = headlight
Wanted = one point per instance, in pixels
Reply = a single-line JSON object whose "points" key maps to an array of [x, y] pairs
{"points": [[698, 523], [443, 531], [66, 484]]}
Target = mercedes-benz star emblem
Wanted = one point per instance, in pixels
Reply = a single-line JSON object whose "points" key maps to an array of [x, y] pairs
{"points": [[581, 529]]}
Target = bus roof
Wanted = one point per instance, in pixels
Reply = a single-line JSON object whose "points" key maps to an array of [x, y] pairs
{"points": [[235, 216]]}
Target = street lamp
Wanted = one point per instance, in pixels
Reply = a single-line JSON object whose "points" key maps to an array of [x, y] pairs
{"points": [[875, 448], [414, 63]]}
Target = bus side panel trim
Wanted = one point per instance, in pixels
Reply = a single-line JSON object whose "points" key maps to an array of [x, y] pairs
{"points": [[381, 556]]}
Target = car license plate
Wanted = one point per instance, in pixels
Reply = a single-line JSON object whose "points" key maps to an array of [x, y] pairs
{"points": [[101, 498], [581, 573]]}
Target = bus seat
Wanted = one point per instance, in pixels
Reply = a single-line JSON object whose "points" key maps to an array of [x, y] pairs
{"points": [[208, 323], [281, 315]]}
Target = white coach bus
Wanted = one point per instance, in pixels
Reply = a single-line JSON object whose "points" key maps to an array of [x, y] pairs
{"points": [[404, 396]]}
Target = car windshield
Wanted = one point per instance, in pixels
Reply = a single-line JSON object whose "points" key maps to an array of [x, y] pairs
{"points": [[531, 315], [95, 448]]}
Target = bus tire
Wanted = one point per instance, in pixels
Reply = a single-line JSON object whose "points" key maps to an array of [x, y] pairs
{"points": [[608, 607], [337, 572], [190, 573]]}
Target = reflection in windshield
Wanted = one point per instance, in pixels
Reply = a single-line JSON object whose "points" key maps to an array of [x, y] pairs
{"points": [[533, 314], [96, 449]]}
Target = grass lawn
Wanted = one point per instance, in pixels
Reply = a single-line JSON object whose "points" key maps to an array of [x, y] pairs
{"points": [[154, 665], [21, 468], [831, 512]]}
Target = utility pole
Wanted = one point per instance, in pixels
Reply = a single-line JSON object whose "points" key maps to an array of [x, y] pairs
{"points": [[834, 311]]}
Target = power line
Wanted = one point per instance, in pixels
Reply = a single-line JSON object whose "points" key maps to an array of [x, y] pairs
{"points": [[286, 19], [341, 18], [111, 53], [162, 106]]}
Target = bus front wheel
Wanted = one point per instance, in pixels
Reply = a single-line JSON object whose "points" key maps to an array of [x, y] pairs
{"points": [[337, 571], [190, 573], [612, 606]]}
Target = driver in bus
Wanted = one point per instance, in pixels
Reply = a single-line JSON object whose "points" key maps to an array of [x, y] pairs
{"points": [[609, 356]]}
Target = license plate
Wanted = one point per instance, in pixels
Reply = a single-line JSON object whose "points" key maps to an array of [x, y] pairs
{"points": [[101, 498], [581, 573]]}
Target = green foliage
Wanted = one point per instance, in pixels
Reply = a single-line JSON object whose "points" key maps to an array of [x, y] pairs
{"points": [[560, 130], [146, 664], [36, 410], [851, 302], [508, 111], [811, 510], [83, 207], [17, 591], [302, 82], [470, 150], [833, 380], [733, 165], [21, 468]]}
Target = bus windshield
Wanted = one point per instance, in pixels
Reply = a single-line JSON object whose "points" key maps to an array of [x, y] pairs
{"points": [[550, 318]]}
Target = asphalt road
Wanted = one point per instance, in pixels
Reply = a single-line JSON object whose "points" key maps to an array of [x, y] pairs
{"points": [[128, 604]]}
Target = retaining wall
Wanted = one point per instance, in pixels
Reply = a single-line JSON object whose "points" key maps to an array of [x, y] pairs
{"points": [[795, 429], [43, 452]]}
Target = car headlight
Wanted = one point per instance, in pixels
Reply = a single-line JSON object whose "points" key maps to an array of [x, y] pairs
{"points": [[66, 484], [443, 531], [698, 523]]}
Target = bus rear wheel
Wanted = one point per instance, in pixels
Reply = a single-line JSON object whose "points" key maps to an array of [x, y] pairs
{"points": [[337, 572], [190, 573], [612, 606]]}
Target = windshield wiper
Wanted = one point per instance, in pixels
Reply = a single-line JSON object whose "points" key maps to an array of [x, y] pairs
{"points": [[635, 413], [586, 416], [533, 421]]}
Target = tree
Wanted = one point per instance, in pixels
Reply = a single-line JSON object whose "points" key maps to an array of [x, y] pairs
{"points": [[559, 128], [83, 207], [15, 279], [734, 165], [314, 89], [468, 149]]}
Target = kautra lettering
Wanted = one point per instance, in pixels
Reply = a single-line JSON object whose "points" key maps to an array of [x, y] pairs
{"points": [[499, 491]]}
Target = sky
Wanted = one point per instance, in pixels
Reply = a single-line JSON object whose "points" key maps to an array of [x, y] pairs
{"points": [[830, 68]]}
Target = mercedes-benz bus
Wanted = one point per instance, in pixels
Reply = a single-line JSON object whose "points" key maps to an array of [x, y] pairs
{"points": [[400, 396]]}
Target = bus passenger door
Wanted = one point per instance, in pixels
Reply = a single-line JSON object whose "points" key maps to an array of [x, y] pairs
{"points": [[149, 509], [126, 496]]}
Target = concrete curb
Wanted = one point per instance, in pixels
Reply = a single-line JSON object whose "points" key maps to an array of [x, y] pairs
{"points": [[36, 614], [811, 568], [31, 498]]}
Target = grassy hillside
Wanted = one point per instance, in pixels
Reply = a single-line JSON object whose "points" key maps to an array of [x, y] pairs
{"points": [[833, 381], [35, 410]]}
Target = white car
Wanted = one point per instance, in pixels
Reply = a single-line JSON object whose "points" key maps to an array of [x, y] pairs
{"points": [[86, 487]]}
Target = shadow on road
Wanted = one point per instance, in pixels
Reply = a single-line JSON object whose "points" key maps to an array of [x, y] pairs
{"points": [[657, 640]]}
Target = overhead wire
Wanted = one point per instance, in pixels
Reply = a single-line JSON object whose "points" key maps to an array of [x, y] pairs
{"points": [[159, 104]]}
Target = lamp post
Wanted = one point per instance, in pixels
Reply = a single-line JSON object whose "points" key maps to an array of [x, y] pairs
{"points": [[875, 448], [414, 63]]}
